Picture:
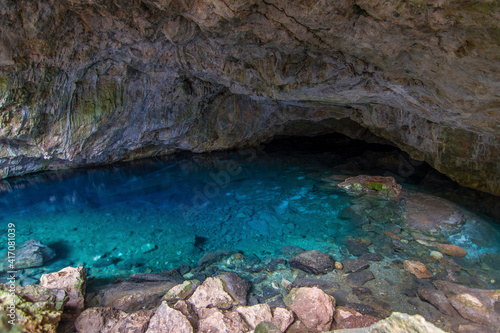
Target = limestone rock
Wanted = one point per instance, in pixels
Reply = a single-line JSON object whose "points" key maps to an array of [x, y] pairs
{"points": [[72, 281], [38, 310], [211, 294], [402, 323], [312, 306], [255, 314], [477, 305], [235, 286], [131, 296], [168, 320], [282, 318], [432, 214], [417, 268], [314, 262], [181, 291], [373, 185], [452, 250], [267, 327], [438, 299], [109, 320], [29, 254], [215, 321]]}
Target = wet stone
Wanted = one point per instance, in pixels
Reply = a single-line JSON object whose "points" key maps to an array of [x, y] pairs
{"points": [[372, 257], [314, 262], [290, 251], [322, 284], [360, 278], [356, 248], [235, 286], [354, 265], [362, 292], [438, 299]]}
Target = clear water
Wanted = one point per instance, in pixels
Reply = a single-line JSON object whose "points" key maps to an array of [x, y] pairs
{"points": [[158, 214]]}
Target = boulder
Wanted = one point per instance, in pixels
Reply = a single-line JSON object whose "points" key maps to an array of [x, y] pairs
{"points": [[372, 185], [38, 310], [131, 296], [109, 320], [360, 278], [235, 286], [282, 318], [255, 314], [312, 306], [29, 254], [417, 268], [438, 299], [432, 214], [181, 291], [477, 305], [211, 294], [314, 262], [72, 281], [168, 320], [215, 321]]}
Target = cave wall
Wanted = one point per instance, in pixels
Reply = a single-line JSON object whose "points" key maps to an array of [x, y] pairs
{"points": [[90, 82]]}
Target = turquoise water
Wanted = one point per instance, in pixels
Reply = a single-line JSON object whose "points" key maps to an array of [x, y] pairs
{"points": [[159, 214]]}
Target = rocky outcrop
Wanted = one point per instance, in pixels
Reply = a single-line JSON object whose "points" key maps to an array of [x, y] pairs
{"points": [[91, 82], [72, 281]]}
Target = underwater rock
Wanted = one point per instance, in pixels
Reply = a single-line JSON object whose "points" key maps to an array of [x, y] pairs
{"points": [[451, 250], [356, 248], [477, 305], [314, 262], [72, 281], [168, 320], [214, 320], [109, 320], [312, 306], [490, 261], [320, 283], [38, 310], [282, 318], [131, 296], [372, 257], [255, 314], [417, 268], [432, 214], [360, 278], [354, 265], [211, 294], [438, 299], [29, 254], [348, 318], [212, 257], [290, 251], [235, 286], [379, 186]]}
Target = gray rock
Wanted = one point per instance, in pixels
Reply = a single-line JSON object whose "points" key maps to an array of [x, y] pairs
{"points": [[212, 257], [314, 262], [235, 286], [29, 254], [354, 265], [438, 299], [360, 278]]}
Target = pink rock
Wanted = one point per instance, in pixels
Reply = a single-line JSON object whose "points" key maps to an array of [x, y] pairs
{"points": [[452, 250], [312, 306], [215, 321], [417, 268], [168, 320], [255, 314], [282, 318], [72, 281], [109, 320], [211, 294]]}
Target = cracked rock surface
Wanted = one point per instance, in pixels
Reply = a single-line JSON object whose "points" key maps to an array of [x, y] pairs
{"points": [[92, 82]]}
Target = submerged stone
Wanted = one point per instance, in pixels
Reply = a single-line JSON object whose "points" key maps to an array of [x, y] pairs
{"points": [[417, 268], [373, 185], [29, 254], [314, 262], [451, 250]]}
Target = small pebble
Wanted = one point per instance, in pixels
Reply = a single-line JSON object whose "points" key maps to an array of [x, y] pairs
{"points": [[338, 265]]}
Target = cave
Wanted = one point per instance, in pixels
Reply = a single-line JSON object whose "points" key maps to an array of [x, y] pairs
{"points": [[249, 166]]}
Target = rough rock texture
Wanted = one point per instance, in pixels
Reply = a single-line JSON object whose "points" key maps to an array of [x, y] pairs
{"points": [[314, 262], [91, 82], [211, 294], [282, 318], [417, 268], [29, 254], [215, 321], [168, 320], [312, 306], [402, 322], [72, 281], [235, 286], [38, 310], [109, 320], [372, 185], [255, 314]]}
